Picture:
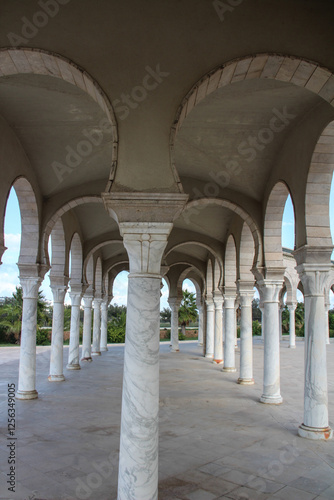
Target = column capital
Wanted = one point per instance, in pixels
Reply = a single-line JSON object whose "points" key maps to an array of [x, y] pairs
{"points": [[144, 207], [270, 290], [75, 298], [97, 303], [104, 305], [245, 287], [145, 243], [174, 302], [291, 306], [87, 300], [58, 285], [30, 287], [218, 299]]}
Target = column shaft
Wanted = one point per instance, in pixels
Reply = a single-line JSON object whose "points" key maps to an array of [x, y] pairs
{"points": [[73, 353], [218, 342], [86, 353], [27, 368], [271, 376], [210, 315], [229, 329], [200, 324], [104, 326], [246, 340], [174, 305], [292, 326], [57, 339], [96, 328], [138, 467]]}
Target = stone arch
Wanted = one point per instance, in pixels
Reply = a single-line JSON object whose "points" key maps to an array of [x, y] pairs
{"points": [[272, 233], [29, 221], [183, 276], [76, 260], [59, 261], [301, 72], [47, 228], [203, 245], [41, 62], [89, 274], [209, 282], [318, 188], [98, 278], [239, 211], [230, 274], [98, 246], [246, 253], [112, 272]]}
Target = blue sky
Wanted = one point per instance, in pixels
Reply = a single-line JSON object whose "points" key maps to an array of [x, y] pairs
{"points": [[9, 271]]}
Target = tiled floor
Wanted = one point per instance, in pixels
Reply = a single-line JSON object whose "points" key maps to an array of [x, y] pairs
{"points": [[216, 439]]}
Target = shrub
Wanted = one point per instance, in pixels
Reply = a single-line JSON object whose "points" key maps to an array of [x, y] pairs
{"points": [[116, 335], [257, 327], [42, 337], [181, 335]]}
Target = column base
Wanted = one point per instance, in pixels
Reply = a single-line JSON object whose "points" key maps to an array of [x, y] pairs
{"points": [[174, 350], [315, 432], [229, 369], [200, 343], [271, 400], [245, 381], [210, 356], [87, 359], [103, 349], [75, 366], [56, 378], [292, 346], [96, 353], [218, 361], [26, 394]]}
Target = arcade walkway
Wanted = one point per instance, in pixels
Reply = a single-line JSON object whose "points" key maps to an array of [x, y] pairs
{"points": [[216, 439]]}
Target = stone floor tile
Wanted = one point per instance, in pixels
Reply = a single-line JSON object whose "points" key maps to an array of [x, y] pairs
{"points": [[310, 485], [201, 495], [288, 493]]}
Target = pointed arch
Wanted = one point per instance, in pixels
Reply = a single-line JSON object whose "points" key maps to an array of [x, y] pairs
{"points": [[29, 221], [58, 246], [230, 274], [76, 260], [246, 253], [318, 188], [272, 234], [98, 277]]}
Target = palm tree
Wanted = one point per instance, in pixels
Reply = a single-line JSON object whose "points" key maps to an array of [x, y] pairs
{"points": [[187, 310], [11, 312]]}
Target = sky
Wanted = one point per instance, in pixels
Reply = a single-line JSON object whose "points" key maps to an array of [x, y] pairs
{"points": [[9, 271]]}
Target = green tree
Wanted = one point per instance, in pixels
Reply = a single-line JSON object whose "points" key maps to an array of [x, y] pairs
{"points": [[187, 310], [165, 315], [116, 328], [256, 312]]}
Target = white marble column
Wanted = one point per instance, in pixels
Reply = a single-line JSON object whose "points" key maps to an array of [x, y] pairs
{"points": [[246, 338], [262, 320], [218, 342], [271, 369], [314, 277], [210, 325], [138, 467], [145, 243], [27, 368], [327, 308], [96, 327], [280, 320], [292, 325], [174, 304], [57, 338], [229, 330], [200, 323], [86, 352], [73, 352], [104, 325], [236, 307]]}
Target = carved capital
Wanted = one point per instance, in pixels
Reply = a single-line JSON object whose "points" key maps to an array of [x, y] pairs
{"points": [[145, 243]]}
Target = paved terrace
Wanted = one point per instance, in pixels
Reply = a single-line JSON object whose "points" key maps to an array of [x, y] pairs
{"points": [[216, 439]]}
